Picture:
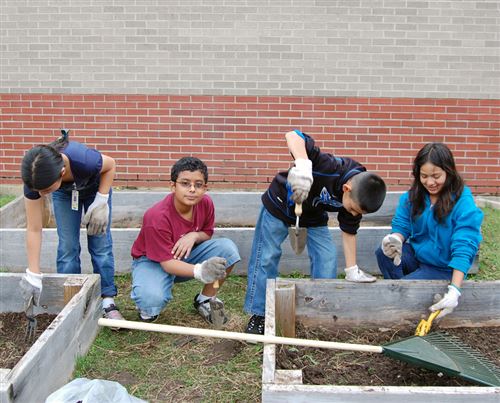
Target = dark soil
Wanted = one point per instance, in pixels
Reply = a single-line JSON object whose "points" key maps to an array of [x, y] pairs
{"points": [[332, 367], [12, 336]]}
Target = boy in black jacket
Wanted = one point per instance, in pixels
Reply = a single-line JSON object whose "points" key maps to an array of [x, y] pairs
{"points": [[338, 185]]}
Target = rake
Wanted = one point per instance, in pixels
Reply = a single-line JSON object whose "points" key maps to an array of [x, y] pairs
{"points": [[439, 352]]}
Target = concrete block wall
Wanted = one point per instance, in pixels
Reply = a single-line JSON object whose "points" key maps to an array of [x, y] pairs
{"points": [[150, 81]]}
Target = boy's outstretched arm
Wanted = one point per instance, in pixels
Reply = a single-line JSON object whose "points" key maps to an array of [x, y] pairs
{"points": [[296, 145], [352, 271], [349, 245], [208, 271]]}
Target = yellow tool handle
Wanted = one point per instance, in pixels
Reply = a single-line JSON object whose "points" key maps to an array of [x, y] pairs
{"points": [[424, 326]]}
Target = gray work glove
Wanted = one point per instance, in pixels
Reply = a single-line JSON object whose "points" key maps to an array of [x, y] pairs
{"points": [[392, 246], [447, 303], [97, 217], [210, 270], [31, 286], [300, 179]]}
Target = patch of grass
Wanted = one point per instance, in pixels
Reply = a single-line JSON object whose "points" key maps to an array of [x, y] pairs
{"points": [[162, 367], [489, 257], [5, 199]]}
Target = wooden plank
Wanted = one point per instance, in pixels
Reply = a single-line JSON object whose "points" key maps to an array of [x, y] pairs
{"points": [[51, 301], [334, 303], [376, 394], [368, 241], [285, 310], [49, 363], [288, 376], [269, 357]]}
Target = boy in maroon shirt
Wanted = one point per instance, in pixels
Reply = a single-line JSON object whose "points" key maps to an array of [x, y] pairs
{"points": [[175, 245]]}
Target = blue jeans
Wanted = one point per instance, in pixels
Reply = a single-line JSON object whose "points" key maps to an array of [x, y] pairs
{"points": [[410, 268], [68, 250], [270, 232], [152, 286]]}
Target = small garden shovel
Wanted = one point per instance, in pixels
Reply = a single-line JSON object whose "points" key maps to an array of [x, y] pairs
{"points": [[217, 316], [297, 235]]}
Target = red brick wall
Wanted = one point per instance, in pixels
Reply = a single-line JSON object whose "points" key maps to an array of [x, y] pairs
{"points": [[241, 138]]}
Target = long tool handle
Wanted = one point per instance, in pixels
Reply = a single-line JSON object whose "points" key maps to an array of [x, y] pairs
{"points": [[193, 331]]}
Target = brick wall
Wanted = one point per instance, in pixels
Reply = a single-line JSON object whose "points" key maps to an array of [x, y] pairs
{"points": [[150, 81], [241, 138]]}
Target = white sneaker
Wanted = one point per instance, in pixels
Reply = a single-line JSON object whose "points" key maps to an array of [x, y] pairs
{"points": [[356, 275]]}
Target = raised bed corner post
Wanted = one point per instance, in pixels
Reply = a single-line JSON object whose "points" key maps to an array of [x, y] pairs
{"points": [[71, 287], [285, 310]]}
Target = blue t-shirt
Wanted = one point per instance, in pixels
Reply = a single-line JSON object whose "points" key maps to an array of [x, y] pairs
{"points": [[86, 165]]}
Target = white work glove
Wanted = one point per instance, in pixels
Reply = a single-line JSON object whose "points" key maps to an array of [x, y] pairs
{"points": [[300, 179], [447, 303], [97, 216], [31, 286], [392, 246], [210, 270]]}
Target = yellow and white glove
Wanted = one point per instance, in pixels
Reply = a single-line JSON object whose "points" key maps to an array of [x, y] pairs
{"points": [[300, 179], [447, 303], [97, 216], [210, 270], [392, 246], [31, 286]]}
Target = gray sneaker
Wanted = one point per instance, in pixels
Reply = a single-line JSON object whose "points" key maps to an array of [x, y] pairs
{"points": [[112, 312], [203, 309]]}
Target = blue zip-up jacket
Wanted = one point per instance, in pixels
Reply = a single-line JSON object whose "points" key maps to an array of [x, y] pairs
{"points": [[453, 243]]}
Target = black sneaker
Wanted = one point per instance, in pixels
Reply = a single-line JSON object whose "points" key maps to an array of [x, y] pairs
{"points": [[149, 319], [256, 325]]}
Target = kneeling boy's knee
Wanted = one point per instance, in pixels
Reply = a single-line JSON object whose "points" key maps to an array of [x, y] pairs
{"points": [[228, 247], [150, 297]]}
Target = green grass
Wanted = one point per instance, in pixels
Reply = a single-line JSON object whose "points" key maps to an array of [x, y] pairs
{"points": [[489, 256], [159, 367], [4, 199]]}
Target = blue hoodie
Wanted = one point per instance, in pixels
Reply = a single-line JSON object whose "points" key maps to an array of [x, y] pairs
{"points": [[453, 243]]}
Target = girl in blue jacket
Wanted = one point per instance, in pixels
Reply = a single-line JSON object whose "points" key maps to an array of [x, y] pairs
{"points": [[436, 230]]}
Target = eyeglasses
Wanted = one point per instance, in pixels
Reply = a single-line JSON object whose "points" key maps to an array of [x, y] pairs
{"points": [[187, 184]]}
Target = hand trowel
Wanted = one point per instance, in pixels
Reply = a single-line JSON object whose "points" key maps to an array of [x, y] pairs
{"points": [[217, 316], [297, 235]]}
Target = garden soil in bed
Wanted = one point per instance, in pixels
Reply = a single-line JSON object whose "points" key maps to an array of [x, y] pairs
{"points": [[335, 367], [12, 336]]}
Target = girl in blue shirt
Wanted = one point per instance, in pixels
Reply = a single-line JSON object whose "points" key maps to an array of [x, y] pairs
{"points": [[79, 179], [436, 230]]}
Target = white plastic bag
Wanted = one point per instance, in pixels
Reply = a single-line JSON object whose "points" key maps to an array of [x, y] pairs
{"points": [[83, 390]]}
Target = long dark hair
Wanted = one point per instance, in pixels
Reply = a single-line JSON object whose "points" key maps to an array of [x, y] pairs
{"points": [[440, 155], [42, 165]]}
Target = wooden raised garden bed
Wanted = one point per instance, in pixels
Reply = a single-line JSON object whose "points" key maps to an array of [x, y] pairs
{"points": [[49, 363], [333, 305]]}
